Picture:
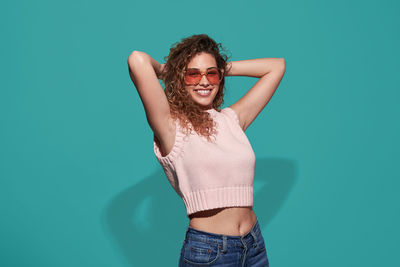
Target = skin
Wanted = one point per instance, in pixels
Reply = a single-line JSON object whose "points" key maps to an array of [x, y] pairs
{"points": [[143, 70]]}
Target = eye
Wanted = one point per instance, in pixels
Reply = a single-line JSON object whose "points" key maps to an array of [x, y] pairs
{"points": [[213, 73], [192, 73]]}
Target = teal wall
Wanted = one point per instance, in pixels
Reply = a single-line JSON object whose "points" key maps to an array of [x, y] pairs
{"points": [[80, 185]]}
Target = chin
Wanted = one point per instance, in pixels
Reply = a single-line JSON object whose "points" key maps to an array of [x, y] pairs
{"points": [[204, 102]]}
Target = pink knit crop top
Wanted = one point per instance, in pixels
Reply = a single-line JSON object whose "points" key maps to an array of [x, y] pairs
{"points": [[211, 175]]}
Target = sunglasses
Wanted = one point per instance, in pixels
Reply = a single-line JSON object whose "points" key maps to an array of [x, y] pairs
{"points": [[194, 76]]}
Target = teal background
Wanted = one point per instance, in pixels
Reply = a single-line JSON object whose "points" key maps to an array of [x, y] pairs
{"points": [[80, 185]]}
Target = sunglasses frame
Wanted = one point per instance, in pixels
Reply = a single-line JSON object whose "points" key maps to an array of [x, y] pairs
{"points": [[205, 73]]}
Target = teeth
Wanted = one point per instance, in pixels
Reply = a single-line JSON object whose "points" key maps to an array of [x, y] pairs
{"points": [[203, 91]]}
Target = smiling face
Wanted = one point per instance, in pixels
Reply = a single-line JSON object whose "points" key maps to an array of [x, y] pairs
{"points": [[205, 91]]}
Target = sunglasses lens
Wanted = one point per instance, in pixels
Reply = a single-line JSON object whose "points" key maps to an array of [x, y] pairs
{"points": [[193, 76], [213, 76]]}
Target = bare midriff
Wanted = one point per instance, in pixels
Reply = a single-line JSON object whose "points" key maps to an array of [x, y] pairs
{"points": [[234, 221]]}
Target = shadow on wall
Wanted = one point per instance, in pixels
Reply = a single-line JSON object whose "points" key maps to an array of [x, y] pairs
{"points": [[148, 221]]}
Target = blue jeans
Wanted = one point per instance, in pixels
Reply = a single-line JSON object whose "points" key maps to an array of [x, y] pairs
{"points": [[202, 248]]}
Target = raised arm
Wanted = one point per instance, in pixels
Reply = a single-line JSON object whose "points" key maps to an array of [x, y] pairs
{"points": [[270, 71], [144, 72]]}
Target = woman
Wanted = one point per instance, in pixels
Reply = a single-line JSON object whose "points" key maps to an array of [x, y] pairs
{"points": [[203, 150]]}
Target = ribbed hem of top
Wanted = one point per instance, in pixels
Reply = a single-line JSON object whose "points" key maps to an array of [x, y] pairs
{"points": [[213, 198]]}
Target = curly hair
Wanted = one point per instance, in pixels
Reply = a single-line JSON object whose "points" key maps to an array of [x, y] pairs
{"points": [[182, 106]]}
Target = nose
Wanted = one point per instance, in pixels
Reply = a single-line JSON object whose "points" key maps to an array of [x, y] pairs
{"points": [[204, 80]]}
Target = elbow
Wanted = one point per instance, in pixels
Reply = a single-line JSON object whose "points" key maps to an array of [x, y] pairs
{"points": [[136, 57], [283, 64], [136, 53], [280, 67]]}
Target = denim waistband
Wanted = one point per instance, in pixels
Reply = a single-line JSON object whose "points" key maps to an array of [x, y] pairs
{"points": [[227, 240]]}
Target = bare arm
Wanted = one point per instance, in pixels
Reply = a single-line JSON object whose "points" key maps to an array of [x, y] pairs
{"points": [[144, 72], [270, 71]]}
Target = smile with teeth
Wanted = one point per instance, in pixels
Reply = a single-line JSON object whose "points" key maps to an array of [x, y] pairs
{"points": [[203, 92]]}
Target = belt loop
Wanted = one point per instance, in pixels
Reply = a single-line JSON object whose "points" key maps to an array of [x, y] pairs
{"points": [[224, 243]]}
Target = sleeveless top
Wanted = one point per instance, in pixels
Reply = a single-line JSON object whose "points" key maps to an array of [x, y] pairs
{"points": [[209, 175]]}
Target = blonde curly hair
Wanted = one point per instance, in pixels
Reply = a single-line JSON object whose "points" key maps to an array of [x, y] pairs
{"points": [[182, 107]]}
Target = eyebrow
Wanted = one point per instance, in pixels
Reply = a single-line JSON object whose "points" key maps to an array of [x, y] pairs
{"points": [[199, 69]]}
